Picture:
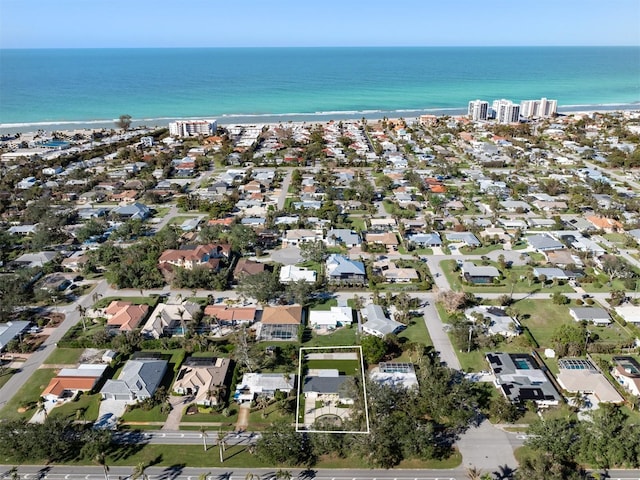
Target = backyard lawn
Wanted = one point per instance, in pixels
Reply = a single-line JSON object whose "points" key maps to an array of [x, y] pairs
{"points": [[347, 367], [341, 336], [29, 393], [64, 356]]}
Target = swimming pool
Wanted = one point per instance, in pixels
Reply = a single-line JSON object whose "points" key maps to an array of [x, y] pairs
{"points": [[522, 364]]}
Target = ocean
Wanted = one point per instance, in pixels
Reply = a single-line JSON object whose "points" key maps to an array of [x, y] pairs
{"points": [[51, 88]]}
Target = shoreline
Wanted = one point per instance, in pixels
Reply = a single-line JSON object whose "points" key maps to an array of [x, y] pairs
{"points": [[254, 119]]}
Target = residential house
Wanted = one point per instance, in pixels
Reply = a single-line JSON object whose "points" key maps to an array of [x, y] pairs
{"points": [[34, 260], [495, 320], [11, 330], [340, 269], [596, 315], [424, 240], [231, 316], [544, 243], [550, 273], [468, 238], [138, 380], [330, 319], [609, 225], [168, 319], [55, 282], [388, 239], [520, 379], [191, 256], [377, 323], [280, 323], [246, 267], [627, 372], [70, 381], [579, 375], [124, 316], [630, 313], [479, 275], [342, 236], [203, 379], [326, 385], [395, 375], [263, 385], [75, 262], [291, 273], [295, 237], [135, 211], [23, 229]]}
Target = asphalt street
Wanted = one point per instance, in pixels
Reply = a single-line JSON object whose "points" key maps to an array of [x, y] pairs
{"points": [[179, 472]]}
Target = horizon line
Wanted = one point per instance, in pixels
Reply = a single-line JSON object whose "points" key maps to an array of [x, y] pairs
{"points": [[311, 46]]}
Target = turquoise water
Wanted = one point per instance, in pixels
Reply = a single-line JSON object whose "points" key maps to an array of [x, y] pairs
{"points": [[50, 86]]}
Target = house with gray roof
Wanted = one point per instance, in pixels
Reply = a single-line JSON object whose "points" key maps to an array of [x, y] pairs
{"points": [[10, 330], [468, 238], [550, 273], [426, 239], [326, 385], [596, 315], [138, 380], [377, 323], [135, 211], [520, 379], [544, 243], [34, 260], [342, 236], [479, 274], [495, 320]]}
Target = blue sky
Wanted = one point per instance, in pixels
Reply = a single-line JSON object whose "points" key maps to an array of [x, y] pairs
{"points": [[238, 23]]}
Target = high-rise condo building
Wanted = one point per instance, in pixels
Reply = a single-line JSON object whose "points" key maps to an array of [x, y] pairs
{"points": [[538, 108], [192, 128], [478, 110], [506, 111]]}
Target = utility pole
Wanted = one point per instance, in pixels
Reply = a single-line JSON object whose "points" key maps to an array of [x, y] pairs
{"points": [[469, 344]]}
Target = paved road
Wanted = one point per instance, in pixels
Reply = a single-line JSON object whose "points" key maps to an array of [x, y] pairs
{"points": [[37, 358], [439, 337], [284, 190], [188, 473]]}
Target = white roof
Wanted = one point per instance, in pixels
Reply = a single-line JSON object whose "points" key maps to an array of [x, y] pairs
{"points": [[343, 315]]}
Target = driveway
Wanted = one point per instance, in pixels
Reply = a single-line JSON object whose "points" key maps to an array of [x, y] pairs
{"points": [[116, 407], [287, 256], [486, 447], [177, 407]]}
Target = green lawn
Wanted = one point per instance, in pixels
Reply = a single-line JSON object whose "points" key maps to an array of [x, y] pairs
{"points": [[30, 392], [348, 367], [324, 304], [274, 414], [480, 250], [89, 403], [151, 301], [542, 317], [357, 223], [214, 417], [64, 356], [162, 211], [6, 375], [140, 415], [416, 332], [342, 336]]}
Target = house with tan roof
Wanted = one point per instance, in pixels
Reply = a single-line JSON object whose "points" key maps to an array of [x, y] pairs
{"points": [[609, 225], [204, 379], [388, 239], [280, 323], [124, 316], [191, 256]]}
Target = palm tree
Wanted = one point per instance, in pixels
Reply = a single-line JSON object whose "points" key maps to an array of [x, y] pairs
{"points": [[252, 476], [82, 310], [13, 473], [203, 434], [204, 476], [139, 471], [474, 473], [42, 407], [283, 475], [101, 459]]}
